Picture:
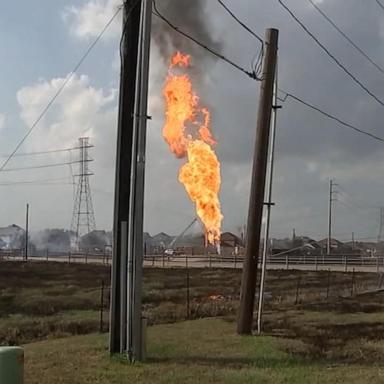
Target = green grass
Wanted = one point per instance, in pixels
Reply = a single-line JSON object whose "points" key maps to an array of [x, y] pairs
{"points": [[20, 329], [202, 351]]}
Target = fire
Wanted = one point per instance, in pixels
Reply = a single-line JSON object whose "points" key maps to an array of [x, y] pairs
{"points": [[187, 132]]}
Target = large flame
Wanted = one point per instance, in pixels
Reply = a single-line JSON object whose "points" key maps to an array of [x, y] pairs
{"points": [[187, 132]]}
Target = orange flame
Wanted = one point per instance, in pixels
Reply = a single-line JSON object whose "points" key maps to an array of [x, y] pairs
{"points": [[191, 138]]}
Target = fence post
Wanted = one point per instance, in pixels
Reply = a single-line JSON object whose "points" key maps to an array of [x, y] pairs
{"points": [[346, 263], [377, 264], [328, 282], [380, 281], [101, 328], [286, 261], [235, 260], [153, 260], [69, 257], [188, 296], [163, 260], [353, 282], [297, 290], [47, 254], [86, 257], [316, 262], [210, 260]]}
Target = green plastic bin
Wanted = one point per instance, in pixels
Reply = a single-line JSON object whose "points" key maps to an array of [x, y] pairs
{"points": [[11, 365]]}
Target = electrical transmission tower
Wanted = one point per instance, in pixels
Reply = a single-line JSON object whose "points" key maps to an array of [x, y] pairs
{"points": [[83, 218]]}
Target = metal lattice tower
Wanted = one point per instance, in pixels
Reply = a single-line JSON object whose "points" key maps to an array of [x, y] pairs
{"points": [[83, 217]]}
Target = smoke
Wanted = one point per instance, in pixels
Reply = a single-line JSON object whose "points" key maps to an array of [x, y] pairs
{"points": [[54, 240], [192, 17]]}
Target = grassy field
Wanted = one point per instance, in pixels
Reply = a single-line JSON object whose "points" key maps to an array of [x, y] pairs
{"points": [[201, 351], [318, 326], [41, 300]]}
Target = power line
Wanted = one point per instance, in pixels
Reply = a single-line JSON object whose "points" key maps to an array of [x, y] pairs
{"points": [[326, 50], [41, 166], [330, 116], [34, 184], [355, 200], [44, 152], [61, 88], [241, 23], [380, 4], [51, 180], [157, 13], [287, 94], [354, 209], [257, 65], [360, 50]]}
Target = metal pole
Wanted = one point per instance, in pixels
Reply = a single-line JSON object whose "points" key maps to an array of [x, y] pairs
{"points": [[297, 290], [129, 51], [248, 283], [353, 282], [26, 232], [269, 205], [135, 229], [329, 218], [188, 283], [101, 328], [124, 290]]}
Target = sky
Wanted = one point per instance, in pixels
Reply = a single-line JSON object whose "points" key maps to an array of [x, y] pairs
{"points": [[42, 41]]}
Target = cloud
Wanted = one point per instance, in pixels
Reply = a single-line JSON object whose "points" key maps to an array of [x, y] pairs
{"points": [[310, 149], [75, 113], [2, 121], [80, 110], [89, 19]]}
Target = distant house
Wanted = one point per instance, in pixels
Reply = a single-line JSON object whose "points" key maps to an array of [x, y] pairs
{"points": [[96, 240], [162, 239], [281, 245], [336, 246], [365, 248], [12, 237], [228, 239], [299, 245]]}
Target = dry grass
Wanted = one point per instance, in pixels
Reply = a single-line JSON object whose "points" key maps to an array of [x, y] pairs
{"points": [[40, 300]]}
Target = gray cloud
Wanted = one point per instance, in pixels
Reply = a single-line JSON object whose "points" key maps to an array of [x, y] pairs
{"points": [[310, 148]]}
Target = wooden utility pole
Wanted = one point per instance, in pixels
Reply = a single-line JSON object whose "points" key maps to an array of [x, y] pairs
{"points": [[125, 129], [256, 202], [26, 231]]}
